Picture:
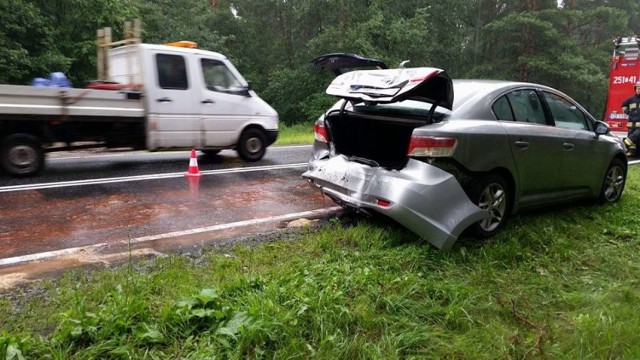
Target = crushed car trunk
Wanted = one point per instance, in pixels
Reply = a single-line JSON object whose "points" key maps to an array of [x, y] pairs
{"points": [[360, 157], [372, 139], [380, 108]]}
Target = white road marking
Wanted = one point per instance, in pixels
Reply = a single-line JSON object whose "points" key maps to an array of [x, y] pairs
{"points": [[69, 251], [61, 155], [158, 176], [144, 177]]}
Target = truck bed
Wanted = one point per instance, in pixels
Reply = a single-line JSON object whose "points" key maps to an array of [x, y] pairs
{"points": [[34, 101]]}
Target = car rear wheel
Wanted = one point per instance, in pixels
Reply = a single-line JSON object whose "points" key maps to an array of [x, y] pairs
{"points": [[251, 146], [490, 193], [614, 181], [21, 155]]}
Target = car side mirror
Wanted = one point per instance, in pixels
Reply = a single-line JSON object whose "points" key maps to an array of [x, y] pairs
{"points": [[601, 128]]}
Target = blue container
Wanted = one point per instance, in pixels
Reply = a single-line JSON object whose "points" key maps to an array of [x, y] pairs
{"points": [[59, 79], [40, 82]]}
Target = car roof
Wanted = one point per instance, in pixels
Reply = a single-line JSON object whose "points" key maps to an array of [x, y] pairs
{"points": [[465, 89], [473, 97]]}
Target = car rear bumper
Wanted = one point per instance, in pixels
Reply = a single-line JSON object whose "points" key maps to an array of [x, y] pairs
{"points": [[423, 198]]}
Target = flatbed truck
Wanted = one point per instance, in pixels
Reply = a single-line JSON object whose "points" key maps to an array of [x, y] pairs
{"points": [[154, 97]]}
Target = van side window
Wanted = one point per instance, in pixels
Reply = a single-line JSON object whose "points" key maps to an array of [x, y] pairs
{"points": [[217, 77], [565, 114], [172, 72]]}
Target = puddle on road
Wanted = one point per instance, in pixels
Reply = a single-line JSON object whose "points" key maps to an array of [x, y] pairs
{"points": [[51, 219]]}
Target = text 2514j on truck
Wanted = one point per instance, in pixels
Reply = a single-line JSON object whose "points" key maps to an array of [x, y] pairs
{"points": [[155, 97]]}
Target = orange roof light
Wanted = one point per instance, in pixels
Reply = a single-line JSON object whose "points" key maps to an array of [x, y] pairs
{"points": [[184, 44]]}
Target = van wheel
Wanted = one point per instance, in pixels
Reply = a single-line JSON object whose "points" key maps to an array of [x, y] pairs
{"points": [[490, 193], [21, 155], [251, 145], [614, 181]]}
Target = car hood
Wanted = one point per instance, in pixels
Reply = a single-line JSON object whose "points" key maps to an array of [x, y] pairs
{"points": [[425, 84], [341, 63]]}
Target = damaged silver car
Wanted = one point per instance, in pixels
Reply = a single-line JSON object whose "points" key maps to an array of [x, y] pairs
{"points": [[398, 142]]}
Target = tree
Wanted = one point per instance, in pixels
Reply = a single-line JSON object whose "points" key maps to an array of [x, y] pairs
{"points": [[566, 45], [27, 43], [73, 25]]}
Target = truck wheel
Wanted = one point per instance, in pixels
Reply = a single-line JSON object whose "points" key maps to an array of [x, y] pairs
{"points": [[21, 155], [490, 193], [251, 145]]}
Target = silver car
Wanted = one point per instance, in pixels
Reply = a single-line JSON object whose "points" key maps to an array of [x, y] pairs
{"points": [[399, 143]]}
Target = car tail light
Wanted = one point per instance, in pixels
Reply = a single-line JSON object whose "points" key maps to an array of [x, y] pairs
{"points": [[431, 146], [383, 203], [320, 132]]}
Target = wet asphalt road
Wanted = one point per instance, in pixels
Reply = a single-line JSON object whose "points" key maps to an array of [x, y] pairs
{"points": [[92, 164], [56, 212]]}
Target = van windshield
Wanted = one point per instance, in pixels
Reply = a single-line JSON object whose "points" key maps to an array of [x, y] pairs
{"points": [[218, 77]]}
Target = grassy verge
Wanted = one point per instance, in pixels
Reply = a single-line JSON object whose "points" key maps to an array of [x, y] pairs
{"points": [[298, 134], [558, 284]]}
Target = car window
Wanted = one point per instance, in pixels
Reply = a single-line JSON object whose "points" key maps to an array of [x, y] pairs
{"points": [[566, 114], [502, 109], [526, 106], [218, 77], [172, 72]]}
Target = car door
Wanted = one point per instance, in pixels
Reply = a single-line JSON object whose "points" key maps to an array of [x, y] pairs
{"points": [[535, 146], [580, 173], [173, 119], [226, 103]]}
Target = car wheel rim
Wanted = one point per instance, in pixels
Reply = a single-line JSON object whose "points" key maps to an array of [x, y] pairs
{"points": [[614, 184], [254, 145], [22, 156], [493, 200]]}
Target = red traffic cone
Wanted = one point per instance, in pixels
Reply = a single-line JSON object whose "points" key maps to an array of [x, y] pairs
{"points": [[193, 165]]}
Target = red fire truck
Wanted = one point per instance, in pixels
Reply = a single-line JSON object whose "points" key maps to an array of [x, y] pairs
{"points": [[624, 72]]}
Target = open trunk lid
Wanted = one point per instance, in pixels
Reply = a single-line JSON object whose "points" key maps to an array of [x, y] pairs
{"points": [[423, 84]]}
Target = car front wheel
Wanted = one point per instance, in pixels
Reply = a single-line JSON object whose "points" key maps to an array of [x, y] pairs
{"points": [[490, 193], [614, 181]]}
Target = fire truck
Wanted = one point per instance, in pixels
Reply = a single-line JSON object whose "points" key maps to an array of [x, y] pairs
{"points": [[624, 72]]}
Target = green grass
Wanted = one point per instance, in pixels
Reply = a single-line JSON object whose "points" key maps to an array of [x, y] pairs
{"points": [[298, 134], [556, 284]]}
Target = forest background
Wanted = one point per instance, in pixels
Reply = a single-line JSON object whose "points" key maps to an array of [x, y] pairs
{"points": [[563, 44]]}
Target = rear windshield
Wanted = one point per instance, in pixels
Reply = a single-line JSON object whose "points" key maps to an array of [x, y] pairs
{"points": [[463, 92]]}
